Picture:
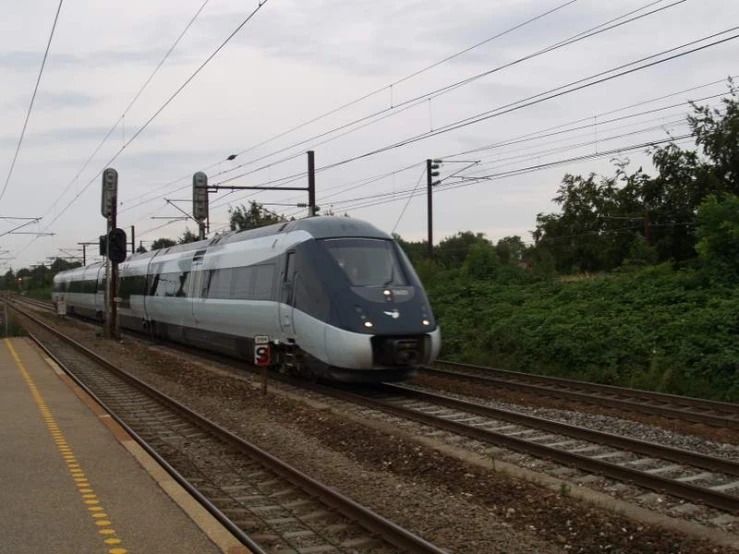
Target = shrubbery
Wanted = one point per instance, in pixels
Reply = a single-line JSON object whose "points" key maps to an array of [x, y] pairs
{"points": [[655, 328]]}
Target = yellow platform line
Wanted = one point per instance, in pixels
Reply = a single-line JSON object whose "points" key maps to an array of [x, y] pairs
{"points": [[101, 519]]}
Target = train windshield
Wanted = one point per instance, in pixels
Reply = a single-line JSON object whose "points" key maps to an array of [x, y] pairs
{"points": [[368, 262]]}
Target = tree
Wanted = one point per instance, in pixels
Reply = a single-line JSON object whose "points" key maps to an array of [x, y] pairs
{"points": [[453, 251], [162, 243], [415, 250], [187, 237], [718, 235], [511, 250], [482, 261], [256, 215]]}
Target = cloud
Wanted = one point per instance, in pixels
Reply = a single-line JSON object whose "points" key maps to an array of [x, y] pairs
{"points": [[55, 101], [29, 60]]}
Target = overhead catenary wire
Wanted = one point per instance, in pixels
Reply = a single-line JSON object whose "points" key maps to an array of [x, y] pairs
{"points": [[551, 94], [420, 178], [529, 136], [404, 106], [261, 4], [33, 100], [167, 102], [421, 99], [131, 103], [401, 195]]}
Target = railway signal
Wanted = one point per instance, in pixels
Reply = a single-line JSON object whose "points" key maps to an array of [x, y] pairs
{"points": [[109, 210], [432, 171], [200, 200], [117, 245], [110, 192]]}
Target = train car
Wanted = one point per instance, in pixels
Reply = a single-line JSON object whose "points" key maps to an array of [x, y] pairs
{"points": [[336, 298]]}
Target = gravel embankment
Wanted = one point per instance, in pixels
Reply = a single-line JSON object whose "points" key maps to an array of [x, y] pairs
{"points": [[453, 504]]}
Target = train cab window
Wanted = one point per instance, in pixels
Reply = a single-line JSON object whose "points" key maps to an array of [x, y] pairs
{"points": [[367, 262]]}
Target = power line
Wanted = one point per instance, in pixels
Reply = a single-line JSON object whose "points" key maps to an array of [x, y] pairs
{"points": [[378, 91], [33, 99], [407, 77], [556, 92], [376, 200], [130, 104], [162, 107], [598, 29], [420, 178], [408, 104]]}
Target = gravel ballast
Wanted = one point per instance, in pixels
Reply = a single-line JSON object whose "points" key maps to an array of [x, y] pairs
{"points": [[455, 505]]}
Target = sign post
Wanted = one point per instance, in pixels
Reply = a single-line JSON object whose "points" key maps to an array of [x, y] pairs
{"points": [[262, 357]]}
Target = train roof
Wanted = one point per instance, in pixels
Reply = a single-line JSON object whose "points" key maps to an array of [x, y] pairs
{"points": [[318, 227]]}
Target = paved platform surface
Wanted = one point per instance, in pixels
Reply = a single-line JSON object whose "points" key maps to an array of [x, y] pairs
{"points": [[70, 482]]}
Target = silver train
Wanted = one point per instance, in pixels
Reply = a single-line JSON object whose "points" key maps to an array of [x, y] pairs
{"points": [[337, 298]]}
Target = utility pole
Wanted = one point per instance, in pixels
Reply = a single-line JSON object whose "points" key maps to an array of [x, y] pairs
{"points": [[133, 239], [311, 183], [432, 167], [311, 188], [84, 246]]}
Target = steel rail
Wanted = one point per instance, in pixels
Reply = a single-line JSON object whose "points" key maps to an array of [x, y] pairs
{"points": [[698, 495], [725, 414], [368, 519], [678, 455]]}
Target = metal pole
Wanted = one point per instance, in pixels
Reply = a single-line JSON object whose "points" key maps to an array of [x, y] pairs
{"points": [[84, 254], [115, 330], [133, 239], [311, 183], [430, 208]]}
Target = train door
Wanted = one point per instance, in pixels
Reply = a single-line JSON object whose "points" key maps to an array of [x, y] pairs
{"points": [[197, 284], [287, 297]]}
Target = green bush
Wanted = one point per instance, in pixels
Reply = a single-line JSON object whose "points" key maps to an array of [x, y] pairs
{"points": [[654, 328]]}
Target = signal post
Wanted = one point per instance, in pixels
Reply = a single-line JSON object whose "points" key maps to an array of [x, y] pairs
{"points": [[115, 247]]}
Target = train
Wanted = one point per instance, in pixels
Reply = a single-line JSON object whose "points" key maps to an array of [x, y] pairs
{"points": [[330, 298]]}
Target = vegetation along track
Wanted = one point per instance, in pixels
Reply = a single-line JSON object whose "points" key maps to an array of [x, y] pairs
{"points": [[695, 477], [695, 410], [267, 504]]}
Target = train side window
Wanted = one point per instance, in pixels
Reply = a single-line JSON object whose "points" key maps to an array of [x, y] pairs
{"points": [[220, 283], [288, 278], [264, 275], [241, 282]]}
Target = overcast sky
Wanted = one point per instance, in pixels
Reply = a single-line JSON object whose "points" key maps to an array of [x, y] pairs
{"points": [[295, 61]]}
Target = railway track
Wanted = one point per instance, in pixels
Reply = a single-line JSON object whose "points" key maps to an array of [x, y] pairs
{"points": [[698, 478], [694, 410], [270, 506]]}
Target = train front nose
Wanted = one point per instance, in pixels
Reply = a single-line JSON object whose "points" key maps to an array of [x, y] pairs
{"points": [[401, 351]]}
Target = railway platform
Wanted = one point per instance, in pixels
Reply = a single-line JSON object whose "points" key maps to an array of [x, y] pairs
{"points": [[73, 481]]}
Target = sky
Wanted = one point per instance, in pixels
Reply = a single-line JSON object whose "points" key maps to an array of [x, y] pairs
{"points": [[374, 88]]}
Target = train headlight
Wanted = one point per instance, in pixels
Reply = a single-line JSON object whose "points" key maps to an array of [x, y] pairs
{"points": [[426, 322], [360, 312]]}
